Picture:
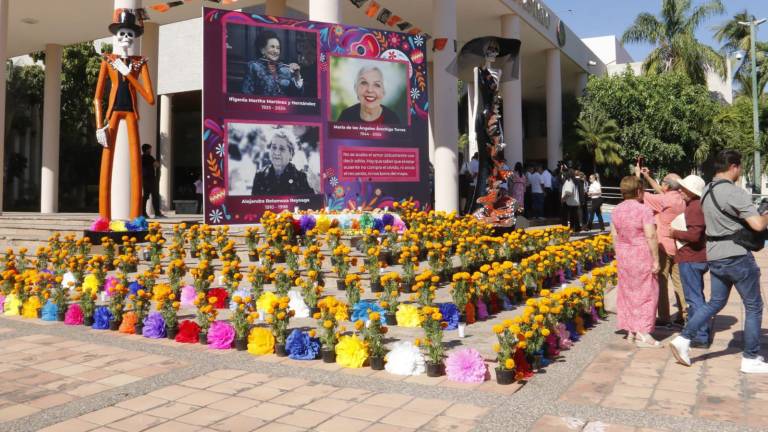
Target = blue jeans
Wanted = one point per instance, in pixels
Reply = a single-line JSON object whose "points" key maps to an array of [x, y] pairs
{"points": [[743, 272], [537, 204], [692, 277]]}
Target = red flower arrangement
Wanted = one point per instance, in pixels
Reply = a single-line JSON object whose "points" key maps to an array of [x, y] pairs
{"points": [[188, 331]]}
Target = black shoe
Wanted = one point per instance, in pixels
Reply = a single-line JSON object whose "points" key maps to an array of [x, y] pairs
{"points": [[665, 324], [680, 322], [704, 345]]}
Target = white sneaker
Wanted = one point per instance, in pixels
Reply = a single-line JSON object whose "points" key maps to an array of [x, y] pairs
{"points": [[755, 365], [680, 347]]}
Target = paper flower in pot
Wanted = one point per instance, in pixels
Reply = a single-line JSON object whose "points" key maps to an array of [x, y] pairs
{"points": [[117, 226], [50, 311], [302, 347], [221, 297], [128, 325], [265, 300], [74, 315], [466, 365], [91, 284], [450, 315], [2, 302], [188, 296], [189, 332], [100, 224], [405, 358], [220, 335], [408, 315], [361, 308], [11, 305], [351, 352], [101, 318], [154, 326], [306, 223], [298, 305], [323, 223], [30, 307], [261, 341]]}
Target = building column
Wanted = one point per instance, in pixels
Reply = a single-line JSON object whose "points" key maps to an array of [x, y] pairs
{"points": [[49, 179], [3, 58], [275, 7], [166, 152], [325, 11], [150, 45], [446, 110], [554, 89], [512, 95]]}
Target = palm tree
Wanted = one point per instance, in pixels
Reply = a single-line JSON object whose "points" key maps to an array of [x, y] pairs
{"points": [[673, 35], [597, 135], [736, 37]]}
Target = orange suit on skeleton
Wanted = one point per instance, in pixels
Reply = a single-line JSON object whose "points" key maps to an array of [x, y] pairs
{"points": [[137, 80]]}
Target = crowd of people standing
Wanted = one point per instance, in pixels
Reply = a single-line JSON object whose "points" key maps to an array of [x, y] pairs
{"points": [[674, 236]]}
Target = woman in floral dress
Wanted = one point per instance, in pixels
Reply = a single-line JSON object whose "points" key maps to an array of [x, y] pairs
{"points": [[637, 257]]}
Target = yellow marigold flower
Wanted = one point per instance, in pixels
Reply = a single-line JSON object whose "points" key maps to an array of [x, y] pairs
{"points": [[498, 328], [545, 332], [509, 364]]}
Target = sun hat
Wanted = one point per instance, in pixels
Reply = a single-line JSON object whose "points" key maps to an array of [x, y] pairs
{"points": [[693, 184]]}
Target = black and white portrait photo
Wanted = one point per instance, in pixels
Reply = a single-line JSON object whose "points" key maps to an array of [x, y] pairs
{"points": [[273, 159]]}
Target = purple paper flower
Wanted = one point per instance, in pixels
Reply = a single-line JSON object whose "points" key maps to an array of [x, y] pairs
{"points": [[154, 326], [220, 335], [482, 310], [74, 315], [50, 311], [101, 318], [450, 315], [307, 222], [378, 224], [466, 365], [302, 347], [2, 302], [387, 219]]}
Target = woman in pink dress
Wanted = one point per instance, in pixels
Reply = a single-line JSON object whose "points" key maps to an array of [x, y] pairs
{"points": [[518, 183], [637, 258]]}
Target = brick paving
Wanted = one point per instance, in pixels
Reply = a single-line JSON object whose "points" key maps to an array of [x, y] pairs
{"points": [[62, 378]]}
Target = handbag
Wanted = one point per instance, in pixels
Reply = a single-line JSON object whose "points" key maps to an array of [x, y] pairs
{"points": [[746, 237]]}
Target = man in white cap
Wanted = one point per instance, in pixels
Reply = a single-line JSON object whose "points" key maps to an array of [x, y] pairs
{"points": [[691, 257]]}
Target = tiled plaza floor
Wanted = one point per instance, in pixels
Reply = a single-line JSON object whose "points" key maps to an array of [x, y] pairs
{"points": [[62, 378]]}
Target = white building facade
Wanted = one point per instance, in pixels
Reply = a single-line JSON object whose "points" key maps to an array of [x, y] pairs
{"points": [[555, 65]]}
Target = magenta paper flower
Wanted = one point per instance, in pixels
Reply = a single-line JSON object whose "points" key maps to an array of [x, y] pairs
{"points": [[466, 365], [100, 224], [220, 335], [109, 285], [564, 335], [74, 315]]}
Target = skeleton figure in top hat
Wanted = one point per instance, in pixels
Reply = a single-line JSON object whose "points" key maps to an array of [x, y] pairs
{"points": [[123, 75]]}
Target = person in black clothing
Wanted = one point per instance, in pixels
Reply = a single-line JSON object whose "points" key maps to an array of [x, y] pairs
{"points": [[149, 181], [281, 177]]}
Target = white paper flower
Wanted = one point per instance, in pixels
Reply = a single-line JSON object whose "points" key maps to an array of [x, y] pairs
{"points": [[68, 280], [405, 359], [297, 305]]}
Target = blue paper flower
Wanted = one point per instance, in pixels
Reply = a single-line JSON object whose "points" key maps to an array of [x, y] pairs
{"points": [[49, 311], [360, 310], [506, 303], [101, 318], [154, 326], [138, 224], [450, 315], [134, 287], [378, 224], [302, 347], [307, 222], [387, 219]]}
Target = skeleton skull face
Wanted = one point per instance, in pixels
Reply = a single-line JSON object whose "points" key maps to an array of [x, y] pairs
{"points": [[491, 51], [125, 38]]}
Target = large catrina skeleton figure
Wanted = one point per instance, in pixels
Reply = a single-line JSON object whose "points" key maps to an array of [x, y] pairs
{"points": [[124, 75]]}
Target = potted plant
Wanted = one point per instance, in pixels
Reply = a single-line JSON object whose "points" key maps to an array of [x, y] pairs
{"points": [[291, 254], [373, 266], [425, 287], [252, 242], [141, 302], [390, 296], [206, 314], [60, 295], [117, 305], [327, 319], [110, 252], [373, 334], [175, 272], [242, 319], [257, 276], [505, 350], [278, 318], [340, 261], [179, 233], [283, 279], [310, 290], [231, 275], [87, 302], [168, 306], [353, 288], [333, 236], [433, 324]]}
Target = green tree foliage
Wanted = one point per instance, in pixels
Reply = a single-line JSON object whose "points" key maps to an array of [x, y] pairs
{"points": [[664, 118], [672, 33], [597, 135], [732, 129], [737, 37]]}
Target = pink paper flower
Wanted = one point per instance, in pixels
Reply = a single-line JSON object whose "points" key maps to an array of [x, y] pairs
{"points": [[109, 284], [74, 315], [100, 224], [220, 335], [466, 365], [564, 336], [188, 296]]}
